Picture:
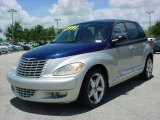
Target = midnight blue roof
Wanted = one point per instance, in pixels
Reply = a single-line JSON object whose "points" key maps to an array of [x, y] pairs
{"points": [[110, 21], [58, 50]]}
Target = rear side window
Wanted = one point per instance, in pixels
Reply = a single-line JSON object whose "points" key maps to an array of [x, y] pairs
{"points": [[133, 32]]}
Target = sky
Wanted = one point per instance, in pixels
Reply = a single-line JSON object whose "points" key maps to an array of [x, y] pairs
{"points": [[32, 12]]}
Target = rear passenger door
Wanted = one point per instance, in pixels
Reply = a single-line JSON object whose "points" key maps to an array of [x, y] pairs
{"points": [[137, 41]]}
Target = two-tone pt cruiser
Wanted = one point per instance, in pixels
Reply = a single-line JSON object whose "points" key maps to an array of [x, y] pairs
{"points": [[82, 62]]}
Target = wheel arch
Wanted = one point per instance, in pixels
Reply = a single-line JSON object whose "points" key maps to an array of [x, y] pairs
{"points": [[150, 55], [146, 57], [104, 70]]}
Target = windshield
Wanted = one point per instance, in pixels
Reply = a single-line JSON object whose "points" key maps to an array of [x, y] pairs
{"points": [[94, 32]]}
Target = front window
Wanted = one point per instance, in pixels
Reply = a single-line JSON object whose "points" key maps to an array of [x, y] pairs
{"points": [[94, 32]]}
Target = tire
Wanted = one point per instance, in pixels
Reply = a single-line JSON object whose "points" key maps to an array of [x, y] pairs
{"points": [[147, 72], [93, 89]]}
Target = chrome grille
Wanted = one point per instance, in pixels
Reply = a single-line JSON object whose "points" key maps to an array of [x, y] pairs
{"points": [[28, 68], [24, 92]]}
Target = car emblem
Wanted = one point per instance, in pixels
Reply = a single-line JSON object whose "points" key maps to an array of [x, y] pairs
{"points": [[30, 59]]}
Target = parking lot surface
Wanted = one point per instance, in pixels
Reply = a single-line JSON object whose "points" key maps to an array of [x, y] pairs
{"points": [[134, 99]]}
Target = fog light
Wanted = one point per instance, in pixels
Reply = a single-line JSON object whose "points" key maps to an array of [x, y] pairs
{"points": [[55, 95], [61, 94]]}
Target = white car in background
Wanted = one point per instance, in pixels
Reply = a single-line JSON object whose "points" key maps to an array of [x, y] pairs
{"points": [[3, 49], [151, 39], [9, 47], [17, 48]]}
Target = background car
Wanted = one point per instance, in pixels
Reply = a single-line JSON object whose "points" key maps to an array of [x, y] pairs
{"points": [[1, 50], [150, 39], [17, 47], [33, 44], [155, 44], [25, 46], [4, 49], [9, 47]]}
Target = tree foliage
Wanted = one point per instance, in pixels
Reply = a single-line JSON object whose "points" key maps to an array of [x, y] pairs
{"points": [[34, 34], [155, 29], [18, 31]]}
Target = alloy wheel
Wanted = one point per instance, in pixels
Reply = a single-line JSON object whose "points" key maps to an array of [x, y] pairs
{"points": [[96, 88], [149, 68]]}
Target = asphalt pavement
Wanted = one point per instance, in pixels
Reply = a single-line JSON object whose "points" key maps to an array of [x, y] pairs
{"points": [[134, 99]]}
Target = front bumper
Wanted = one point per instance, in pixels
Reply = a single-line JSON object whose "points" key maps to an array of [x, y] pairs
{"points": [[43, 88]]}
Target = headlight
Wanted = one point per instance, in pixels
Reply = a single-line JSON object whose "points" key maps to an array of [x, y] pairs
{"points": [[68, 69]]}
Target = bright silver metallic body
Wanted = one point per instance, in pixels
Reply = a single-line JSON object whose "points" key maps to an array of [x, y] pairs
{"points": [[121, 64]]}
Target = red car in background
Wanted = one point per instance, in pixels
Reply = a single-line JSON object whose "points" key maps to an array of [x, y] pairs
{"points": [[155, 44]]}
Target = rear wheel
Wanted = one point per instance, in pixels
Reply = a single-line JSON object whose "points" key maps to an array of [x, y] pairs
{"points": [[93, 88], [147, 72]]}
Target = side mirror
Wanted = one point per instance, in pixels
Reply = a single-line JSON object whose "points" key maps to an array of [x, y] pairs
{"points": [[118, 39]]}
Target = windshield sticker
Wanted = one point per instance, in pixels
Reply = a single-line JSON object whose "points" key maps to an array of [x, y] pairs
{"points": [[74, 27]]}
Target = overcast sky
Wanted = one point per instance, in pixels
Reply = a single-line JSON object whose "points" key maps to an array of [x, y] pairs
{"points": [[33, 12]]}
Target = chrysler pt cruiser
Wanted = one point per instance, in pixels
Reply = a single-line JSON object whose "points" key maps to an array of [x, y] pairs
{"points": [[82, 62]]}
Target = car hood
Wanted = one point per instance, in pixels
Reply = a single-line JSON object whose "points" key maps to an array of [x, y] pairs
{"points": [[58, 50]]}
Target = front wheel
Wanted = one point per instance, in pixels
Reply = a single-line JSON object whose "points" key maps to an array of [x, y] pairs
{"points": [[147, 72], [93, 88]]}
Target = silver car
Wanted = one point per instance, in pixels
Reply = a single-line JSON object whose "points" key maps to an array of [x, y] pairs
{"points": [[82, 62], [3, 49], [9, 47]]}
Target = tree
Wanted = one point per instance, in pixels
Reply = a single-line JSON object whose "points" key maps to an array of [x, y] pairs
{"points": [[34, 34], [18, 32], [50, 33], [155, 29], [26, 34], [39, 32], [60, 30], [8, 32]]}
